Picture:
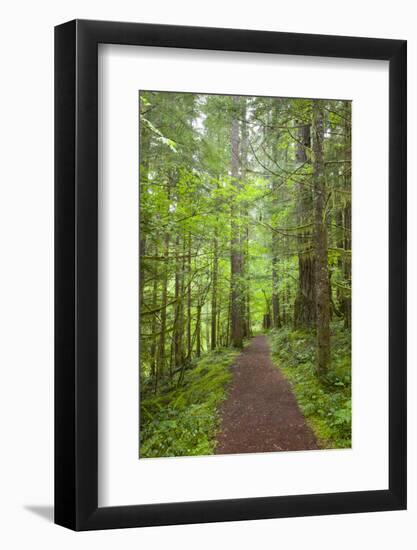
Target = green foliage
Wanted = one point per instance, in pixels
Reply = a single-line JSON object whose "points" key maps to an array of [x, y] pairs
{"points": [[224, 176], [159, 136], [183, 420], [326, 404]]}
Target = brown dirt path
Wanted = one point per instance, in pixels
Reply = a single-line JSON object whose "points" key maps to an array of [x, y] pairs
{"points": [[261, 413]]}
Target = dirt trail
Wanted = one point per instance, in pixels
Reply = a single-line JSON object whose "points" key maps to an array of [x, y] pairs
{"points": [[261, 413]]}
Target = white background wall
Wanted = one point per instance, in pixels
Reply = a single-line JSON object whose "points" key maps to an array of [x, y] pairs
{"points": [[26, 271]]}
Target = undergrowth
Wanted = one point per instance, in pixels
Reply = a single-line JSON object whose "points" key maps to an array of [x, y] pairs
{"points": [[183, 420], [326, 403]]}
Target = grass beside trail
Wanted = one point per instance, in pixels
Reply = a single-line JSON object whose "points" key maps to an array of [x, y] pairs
{"points": [[183, 420], [325, 404]]}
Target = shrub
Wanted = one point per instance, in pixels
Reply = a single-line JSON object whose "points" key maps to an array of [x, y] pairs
{"points": [[183, 421]]}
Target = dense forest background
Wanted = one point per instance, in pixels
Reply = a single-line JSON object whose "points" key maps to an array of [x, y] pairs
{"points": [[245, 227]]}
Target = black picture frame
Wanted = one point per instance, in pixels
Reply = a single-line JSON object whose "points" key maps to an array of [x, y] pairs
{"points": [[76, 273]]}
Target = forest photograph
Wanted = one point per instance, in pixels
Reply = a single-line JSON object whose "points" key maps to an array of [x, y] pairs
{"points": [[244, 274]]}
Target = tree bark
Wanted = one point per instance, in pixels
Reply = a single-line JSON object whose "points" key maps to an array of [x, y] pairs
{"points": [[276, 321], [198, 331], [214, 295], [160, 364], [248, 330], [189, 300], [347, 224], [235, 245], [244, 232], [179, 305], [322, 270], [143, 175], [154, 324], [305, 300], [347, 265]]}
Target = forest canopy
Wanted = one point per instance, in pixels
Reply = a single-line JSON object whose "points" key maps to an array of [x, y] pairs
{"points": [[245, 228]]}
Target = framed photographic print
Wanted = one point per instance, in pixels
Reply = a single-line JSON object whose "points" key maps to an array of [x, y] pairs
{"points": [[230, 275]]}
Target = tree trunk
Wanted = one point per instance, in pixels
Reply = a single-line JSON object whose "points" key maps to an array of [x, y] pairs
{"points": [[144, 172], [276, 321], [189, 300], [343, 227], [214, 296], [161, 347], [218, 330], [347, 265], [266, 322], [229, 318], [235, 245], [347, 224], [244, 238], [208, 326], [322, 270], [154, 322], [198, 331], [178, 335], [305, 300]]}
